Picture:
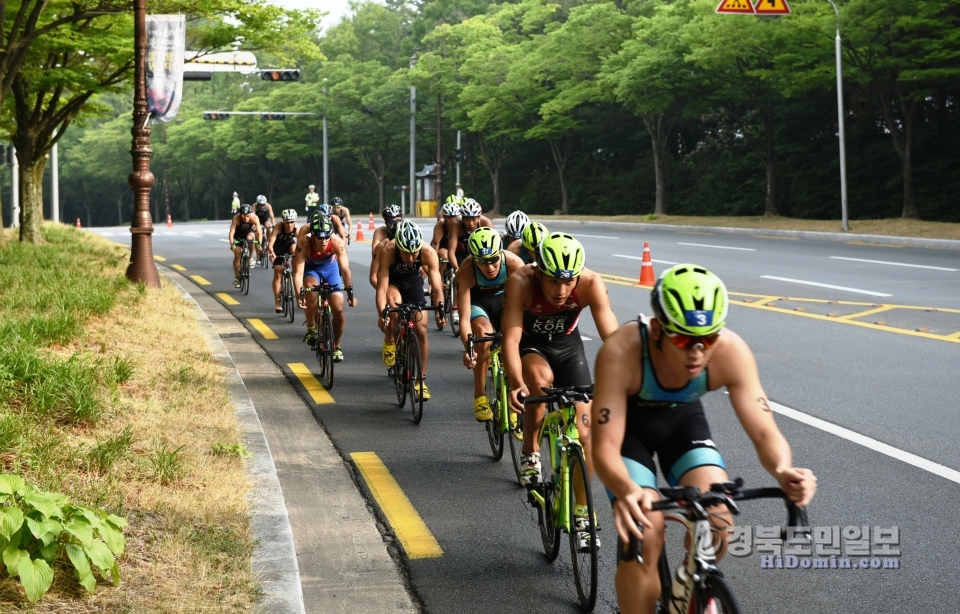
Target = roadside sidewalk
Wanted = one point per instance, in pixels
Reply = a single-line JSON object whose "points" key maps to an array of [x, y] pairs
{"points": [[318, 547]]}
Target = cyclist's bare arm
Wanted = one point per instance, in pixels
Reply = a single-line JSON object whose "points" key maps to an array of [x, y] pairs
{"points": [[349, 220], [515, 247], [438, 230], [273, 221], [485, 221], [512, 261], [465, 281], [233, 229], [385, 259], [338, 227], [733, 365], [452, 246], [299, 257], [594, 294], [273, 238], [516, 300], [375, 264], [341, 250], [431, 263]]}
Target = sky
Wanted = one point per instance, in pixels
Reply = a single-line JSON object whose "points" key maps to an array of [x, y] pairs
{"points": [[336, 9]]}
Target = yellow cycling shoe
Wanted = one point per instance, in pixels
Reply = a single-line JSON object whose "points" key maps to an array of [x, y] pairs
{"points": [[389, 354], [422, 391], [481, 409]]}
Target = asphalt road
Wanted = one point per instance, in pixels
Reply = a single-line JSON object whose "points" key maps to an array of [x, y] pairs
{"points": [[889, 386]]}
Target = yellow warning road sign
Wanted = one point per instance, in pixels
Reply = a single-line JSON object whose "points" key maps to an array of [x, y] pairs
{"points": [[736, 7], [772, 7]]}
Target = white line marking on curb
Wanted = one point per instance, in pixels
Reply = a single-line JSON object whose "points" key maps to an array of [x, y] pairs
{"points": [[813, 283], [579, 234], [641, 258], [739, 249], [915, 266], [868, 442]]}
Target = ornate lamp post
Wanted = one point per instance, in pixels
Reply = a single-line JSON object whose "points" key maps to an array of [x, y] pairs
{"points": [[141, 268]]}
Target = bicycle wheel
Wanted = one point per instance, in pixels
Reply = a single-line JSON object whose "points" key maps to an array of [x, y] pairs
{"points": [[245, 274], [584, 559], [325, 340], [264, 260], [399, 373], [318, 343], [291, 301], [414, 377], [454, 316], [494, 426], [714, 598], [547, 515], [515, 434]]}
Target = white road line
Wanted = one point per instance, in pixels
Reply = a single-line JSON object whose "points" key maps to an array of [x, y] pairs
{"points": [[867, 442], [586, 338], [192, 234], [915, 266], [224, 240], [739, 249], [819, 285], [641, 258], [579, 234]]}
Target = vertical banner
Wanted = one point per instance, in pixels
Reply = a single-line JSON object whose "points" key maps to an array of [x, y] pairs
{"points": [[165, 43]]}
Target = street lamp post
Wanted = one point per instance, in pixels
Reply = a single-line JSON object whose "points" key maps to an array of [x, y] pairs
{"points": [[142, 268], [845, 226], [413, 137]]}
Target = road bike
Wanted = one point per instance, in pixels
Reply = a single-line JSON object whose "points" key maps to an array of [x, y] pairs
{"points": [[323, 321], [287, 301], [563, 472], [450, 312], [264, 257], [407, 371], [707, 593], [505, 423], [245, 264]]}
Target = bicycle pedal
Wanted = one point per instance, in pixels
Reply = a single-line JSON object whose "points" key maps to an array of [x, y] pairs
{"points": [[390, 372]]}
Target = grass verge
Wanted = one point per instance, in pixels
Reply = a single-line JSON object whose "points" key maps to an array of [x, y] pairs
{"points": [[895, 227], [109, 395]]}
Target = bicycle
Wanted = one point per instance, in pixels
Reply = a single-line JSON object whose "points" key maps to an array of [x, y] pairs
{"points": [[286, 288], [497, 388], [563, 466], [450, 299], [264, 258], [407, 371], [245, 264], [709, 594], [323, 321]]}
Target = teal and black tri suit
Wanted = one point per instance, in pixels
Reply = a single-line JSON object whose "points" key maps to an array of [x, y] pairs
{"points": [[486, 296], [668, 423], [525, 255]]}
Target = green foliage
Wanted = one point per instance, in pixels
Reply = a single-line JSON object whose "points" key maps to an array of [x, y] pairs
{"points": [[39, 530], [166, 463], [105, 454], [234, 450]]}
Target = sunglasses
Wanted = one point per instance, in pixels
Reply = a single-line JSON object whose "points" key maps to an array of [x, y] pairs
{"points": [[689, 342], [488, 261]]}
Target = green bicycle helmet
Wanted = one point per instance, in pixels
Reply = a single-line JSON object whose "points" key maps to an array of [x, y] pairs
{"points": [[321, 227], [533, 234], [560, 256], [408, 237], [484, 243], [690, 300]]}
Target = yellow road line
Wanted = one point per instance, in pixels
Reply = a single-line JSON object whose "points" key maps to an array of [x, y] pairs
{"points": [[159, 258], [863, 314], [954, 336], [417, 540], [874, 244], [178, 267], [317, 392], [226, 298], [200, 280], [262, 328]]}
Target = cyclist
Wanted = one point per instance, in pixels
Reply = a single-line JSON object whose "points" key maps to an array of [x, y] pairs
{"points": [[235, 204], [392, 215], [311, 200], [264, 213], [471, 218], [481, 280], [541, 339], [450, 200], [651, 374], [244, 225], [282, 241], [343, 213], [449, 215], [398, 281], [526, 247], [327, 211], [513, 228], [321, 257]]}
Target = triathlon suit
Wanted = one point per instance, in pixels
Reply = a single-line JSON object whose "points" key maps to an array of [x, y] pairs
{"points": [[342, 214], [462, 252], [666, 422], [283, 243], [525, 255], [244, 228], [552, 333], [323, 266], [406, 278], [486, 297], [262, 214]]}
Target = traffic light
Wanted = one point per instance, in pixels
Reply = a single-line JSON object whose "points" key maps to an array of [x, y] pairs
{"points": [[286, 74], [462, 156], [216, 116], [267, 117]]}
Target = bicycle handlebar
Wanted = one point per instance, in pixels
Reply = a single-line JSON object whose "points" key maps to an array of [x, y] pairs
{"points": [[471, 341], [564, 396]]}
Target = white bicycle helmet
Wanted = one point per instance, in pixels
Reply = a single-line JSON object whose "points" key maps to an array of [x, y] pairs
{"points": [[261, 200], [515, 224], [450, 209], [289, 215], [471, 208], [408, 237]]}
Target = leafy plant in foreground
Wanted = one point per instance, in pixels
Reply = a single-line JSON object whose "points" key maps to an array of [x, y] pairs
{"points": [[39, 528]]}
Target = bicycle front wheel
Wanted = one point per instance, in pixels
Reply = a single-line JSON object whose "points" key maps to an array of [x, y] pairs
{"points": [[291, 300], [714, 598], [414, 378], [515, 434], [494, 426], [399, 370], [245, 275], [454, 316], [583, 533], [325, 341], [548, 514]]}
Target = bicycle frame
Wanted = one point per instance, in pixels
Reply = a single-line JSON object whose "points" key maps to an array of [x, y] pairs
{"points": [[560, 425]]}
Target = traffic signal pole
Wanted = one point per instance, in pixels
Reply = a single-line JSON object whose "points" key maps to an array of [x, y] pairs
{"points": [[458, 157]]}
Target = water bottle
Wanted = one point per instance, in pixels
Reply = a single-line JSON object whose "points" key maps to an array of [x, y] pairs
{"points": [[680, 592]]}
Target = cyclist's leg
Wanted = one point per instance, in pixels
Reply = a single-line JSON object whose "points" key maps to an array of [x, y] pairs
{"points": [[536, 375], [237, 250], [482, 327], [393, 299], [310, 280], [339, 318]]}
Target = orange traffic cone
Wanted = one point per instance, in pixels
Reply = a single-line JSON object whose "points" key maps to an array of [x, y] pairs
{"points": [[370, 225], [647, 276], [169, 221], [78, 223], [360, 231]]}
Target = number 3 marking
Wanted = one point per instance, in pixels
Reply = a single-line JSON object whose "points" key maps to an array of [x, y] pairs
{"points": [[604, 416]]}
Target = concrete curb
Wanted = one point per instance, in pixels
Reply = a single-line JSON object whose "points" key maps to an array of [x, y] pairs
{"points": [[943, 244], [274, 561]]}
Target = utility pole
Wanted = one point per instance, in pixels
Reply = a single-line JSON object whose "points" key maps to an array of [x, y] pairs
{"points": [[326, 160], [413, 137], [439, 169], [845, 224]]}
